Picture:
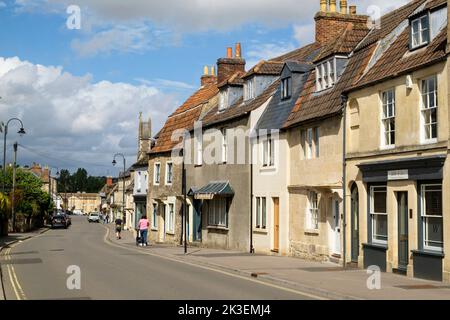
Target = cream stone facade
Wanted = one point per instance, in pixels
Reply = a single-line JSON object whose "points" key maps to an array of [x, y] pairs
{"points": [[319, 177], [85, 202], [366, 152]]}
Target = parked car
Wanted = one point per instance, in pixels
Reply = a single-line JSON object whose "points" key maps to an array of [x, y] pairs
{"points": [[77, 212], [94, 217], [60, 221], [68, 220]]}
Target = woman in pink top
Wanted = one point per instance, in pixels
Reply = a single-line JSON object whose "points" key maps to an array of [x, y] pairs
{"points": [[143, 230]]}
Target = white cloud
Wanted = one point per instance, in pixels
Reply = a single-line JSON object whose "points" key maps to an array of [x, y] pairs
{"points": [[2, 4], [166, 84], [265, 51], [304, 34], [72, 117]]}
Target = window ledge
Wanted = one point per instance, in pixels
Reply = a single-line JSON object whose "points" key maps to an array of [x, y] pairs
{"points": [[260, 231], [376, 245], [154, 229], [313, 232], [426, 252], [170, 233], [389, 147], [429, 141], [268, 169], [218, 228]]}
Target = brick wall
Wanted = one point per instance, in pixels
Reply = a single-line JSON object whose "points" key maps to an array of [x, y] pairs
{"points": [[226, 67], [330, 25]]}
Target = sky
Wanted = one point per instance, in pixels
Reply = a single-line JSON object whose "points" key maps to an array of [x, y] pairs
{"points": [[79, 85]]}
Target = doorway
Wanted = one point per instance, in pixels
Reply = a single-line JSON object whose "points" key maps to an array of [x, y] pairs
{"points": [[276, 224], [403, 234], [197, 223], [162, 235], [354, 224], [336, 227]]}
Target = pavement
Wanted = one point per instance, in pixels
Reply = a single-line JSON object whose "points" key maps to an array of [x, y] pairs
{"points": [[11, 239], [82, 263], [326, 280]]}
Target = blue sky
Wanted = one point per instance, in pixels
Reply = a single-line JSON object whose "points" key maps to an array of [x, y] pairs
{"points": [[79, 92]]}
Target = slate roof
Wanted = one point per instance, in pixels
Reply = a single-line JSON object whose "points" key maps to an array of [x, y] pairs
{"points": [[278, 110], [183, 118]]}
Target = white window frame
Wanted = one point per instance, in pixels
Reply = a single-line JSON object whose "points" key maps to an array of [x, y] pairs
{"points": [[424, 217], [286, 88], [223, 100], [373, 190], [426, 110], [326, 74], [387, 117], [261, 213], [250, 89], [217, 212], [268, 151], [420, 31], [169, 164], [157, 173], [154, 216], [224, 145], [170, 221], [199, 148], [312, 214]]}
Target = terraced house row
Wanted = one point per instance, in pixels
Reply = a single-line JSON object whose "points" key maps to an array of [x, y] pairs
{"points": [[335, 151]]}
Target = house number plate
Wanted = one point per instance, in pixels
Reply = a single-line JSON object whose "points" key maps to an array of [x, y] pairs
{"points": [[398, 175]]}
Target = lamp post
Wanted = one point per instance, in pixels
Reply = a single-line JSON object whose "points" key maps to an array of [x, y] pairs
{"points": [[21, 132], [123, 182], [13, 205]]}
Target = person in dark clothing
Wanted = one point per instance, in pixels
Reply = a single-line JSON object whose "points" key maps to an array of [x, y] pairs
{"points": [[118, 228]]}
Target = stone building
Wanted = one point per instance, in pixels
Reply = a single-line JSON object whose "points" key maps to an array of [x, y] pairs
{"points": [[397, 144]]}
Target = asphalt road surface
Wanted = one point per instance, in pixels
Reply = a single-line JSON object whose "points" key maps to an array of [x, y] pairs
{"points": [[37, 269]]}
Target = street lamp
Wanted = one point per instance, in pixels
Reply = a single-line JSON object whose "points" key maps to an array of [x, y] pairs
{"points": [[123, 182], [21, 132]]}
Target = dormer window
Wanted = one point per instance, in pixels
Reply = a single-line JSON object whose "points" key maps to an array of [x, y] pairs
{"points": [[326, 74], [223, 100], [420, 32], [286, 90], [249, 91]]}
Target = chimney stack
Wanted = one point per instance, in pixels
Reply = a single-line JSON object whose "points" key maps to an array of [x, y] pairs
{"points": [[227, 67], [208, 78], [330, 23], [343, 6], [109, 181]]}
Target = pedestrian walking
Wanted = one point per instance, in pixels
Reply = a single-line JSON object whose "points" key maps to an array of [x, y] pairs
{"points": [[143, 230], [118, 228]]}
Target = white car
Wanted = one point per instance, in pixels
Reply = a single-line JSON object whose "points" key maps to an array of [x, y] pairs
{"points": [[94, 217], [77, 212]]}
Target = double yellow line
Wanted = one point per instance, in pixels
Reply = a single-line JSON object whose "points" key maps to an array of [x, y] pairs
{"points": [[18, 291]]}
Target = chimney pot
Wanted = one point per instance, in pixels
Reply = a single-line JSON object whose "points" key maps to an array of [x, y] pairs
{"points": [[229, 52], [205, 71], [353, 10], [323, 5], [213, 71], [332, 5], [238, 50], [343, 6]]}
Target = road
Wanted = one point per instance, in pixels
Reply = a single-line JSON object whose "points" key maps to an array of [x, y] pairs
{"points": [[37, 269]]}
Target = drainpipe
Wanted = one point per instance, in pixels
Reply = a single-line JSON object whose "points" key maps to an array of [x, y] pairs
{"points": [[252, 249], [344, 100]]}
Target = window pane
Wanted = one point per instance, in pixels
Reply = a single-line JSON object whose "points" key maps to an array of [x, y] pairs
{"points": [[263, 213], [379, 202], [379, 227], [433, 232], [258, 212], [433, 203], [316, 142]]}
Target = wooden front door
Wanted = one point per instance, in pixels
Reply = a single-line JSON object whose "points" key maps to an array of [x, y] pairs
{"points": [[276, 224]]}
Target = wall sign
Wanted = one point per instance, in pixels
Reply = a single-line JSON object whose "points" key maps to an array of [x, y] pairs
{"points": [[398, 175]]}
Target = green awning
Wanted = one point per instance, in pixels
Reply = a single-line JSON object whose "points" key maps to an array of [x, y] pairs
{"points": [[212, 189]]}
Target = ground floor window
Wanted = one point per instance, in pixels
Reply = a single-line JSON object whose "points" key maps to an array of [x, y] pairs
{"points": [[378, 214], [312, 214], [170, 227], [154, 216], [261, 212], [431, 217], [217, 211]]}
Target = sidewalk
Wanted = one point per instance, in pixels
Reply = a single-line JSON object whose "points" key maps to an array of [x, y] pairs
{"points": [[9, 240], [327, 280]]}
